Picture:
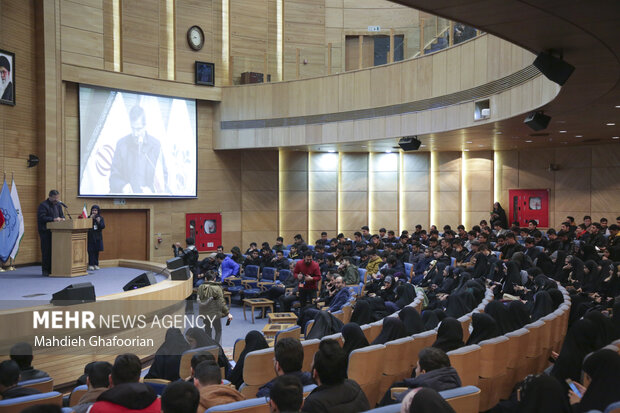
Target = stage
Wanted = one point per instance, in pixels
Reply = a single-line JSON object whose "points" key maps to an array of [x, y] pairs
{"points": [[26, 287]]}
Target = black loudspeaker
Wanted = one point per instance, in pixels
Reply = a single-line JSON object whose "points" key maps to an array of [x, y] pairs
{"points": [[143, 280], [173, 263], [537, 121], [74, 294], [556, 69], [409, 143], [180, 274]]}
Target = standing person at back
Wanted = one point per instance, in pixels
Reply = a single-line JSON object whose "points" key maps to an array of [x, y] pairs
{"points": [[308, 273], [213, 305]]}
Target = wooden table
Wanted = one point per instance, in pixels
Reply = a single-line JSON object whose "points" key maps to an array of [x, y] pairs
{"points": [[270, 330], [282, 318], [254, 303]]}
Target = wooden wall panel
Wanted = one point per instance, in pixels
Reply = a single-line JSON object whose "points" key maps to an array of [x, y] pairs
{"points": [[322, 193], [82, 33], [304, 29], [477, 176], [293, 181], [140, 37], [414, 202], [383, 187], [250, 36], [18, 126], [203, 14], [353, 210]]}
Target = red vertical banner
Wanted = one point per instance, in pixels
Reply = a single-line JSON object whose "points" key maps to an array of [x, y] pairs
{"points": [[527, 204], [206, 229]]}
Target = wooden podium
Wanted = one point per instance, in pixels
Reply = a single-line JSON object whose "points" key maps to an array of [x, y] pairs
{"points": [[70, 247]]}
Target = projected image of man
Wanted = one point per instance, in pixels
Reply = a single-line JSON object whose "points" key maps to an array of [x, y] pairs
{"points": [[136, 160]]}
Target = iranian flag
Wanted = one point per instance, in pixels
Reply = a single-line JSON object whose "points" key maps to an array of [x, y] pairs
{"points": [[84, 212]]}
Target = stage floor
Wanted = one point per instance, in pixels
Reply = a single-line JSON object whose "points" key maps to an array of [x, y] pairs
{"points": [[26, 287]]}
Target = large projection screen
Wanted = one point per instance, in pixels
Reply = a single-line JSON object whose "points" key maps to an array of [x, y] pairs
{"points": [[136, 145]]}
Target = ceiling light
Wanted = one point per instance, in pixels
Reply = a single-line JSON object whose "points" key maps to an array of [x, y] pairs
{"points": [[617, 106], [331, 151], [615, 137], [422, 146], [562, 131], [469, 142], [529, 141], [611, 124], [578, 136], [388, 151], [498, 133], [481, 146], [466, 150]]}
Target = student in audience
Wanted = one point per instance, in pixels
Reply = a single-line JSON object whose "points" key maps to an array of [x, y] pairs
{"points": [[227, 267], [21, 353], [197, 338], [168, 356], [335, 393], [98, 381], [412, 320], [289, 360], [484, 328], [536, 394], [393, 329], [196, 360], [580, 340], [449, 335], [425, 400], [126, 392], [9, 377], [353, 338], [433, 370], [254, 340], [208, 381], [601, 381], [286, 395], [180, 397]]}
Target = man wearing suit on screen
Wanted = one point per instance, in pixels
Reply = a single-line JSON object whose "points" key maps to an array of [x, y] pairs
{"points": [[136, 159]]}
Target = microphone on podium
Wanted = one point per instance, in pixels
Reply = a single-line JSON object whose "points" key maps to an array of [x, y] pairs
{"points": [[66, 209]]}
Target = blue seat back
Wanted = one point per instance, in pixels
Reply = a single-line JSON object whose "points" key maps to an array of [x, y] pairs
{"points": [[251, 271], [269, 274], [283, 275], [362, 272], [286, 252]]}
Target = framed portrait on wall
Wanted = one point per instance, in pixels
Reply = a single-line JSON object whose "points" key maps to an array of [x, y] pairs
{"points": [[205, 73], [7, 78]]}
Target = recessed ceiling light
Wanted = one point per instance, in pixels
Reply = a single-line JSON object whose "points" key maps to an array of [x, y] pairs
{"points": [[611, 124], [528, 141], [481, 146], [469, 142], [388, 151], [331, 151], [578, 136], [562, 131], [615, 137], [422, 146], [466, 150], [498, 133], [617, 106]]}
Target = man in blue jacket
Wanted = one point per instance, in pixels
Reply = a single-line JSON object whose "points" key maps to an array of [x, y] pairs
{"points": [[336, 301], [227, 266]]}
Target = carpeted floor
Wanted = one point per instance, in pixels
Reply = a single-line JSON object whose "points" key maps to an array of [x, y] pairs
{"points": [[26, 287]]}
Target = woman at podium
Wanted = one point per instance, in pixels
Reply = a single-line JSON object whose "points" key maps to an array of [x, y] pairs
{"points": [[95, 238]]}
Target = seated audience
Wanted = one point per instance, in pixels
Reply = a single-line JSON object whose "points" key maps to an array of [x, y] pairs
{"points": [[449, 335], [393, 329], [254, 340], [21, 353], [601, 381], [180, 397], [353, 338], [168, 356], [335, 393], [425, 400], [9, 377], [286, 395], [289, 359], [97, 381], [126, 392], [484, 327], [208, 381]]}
